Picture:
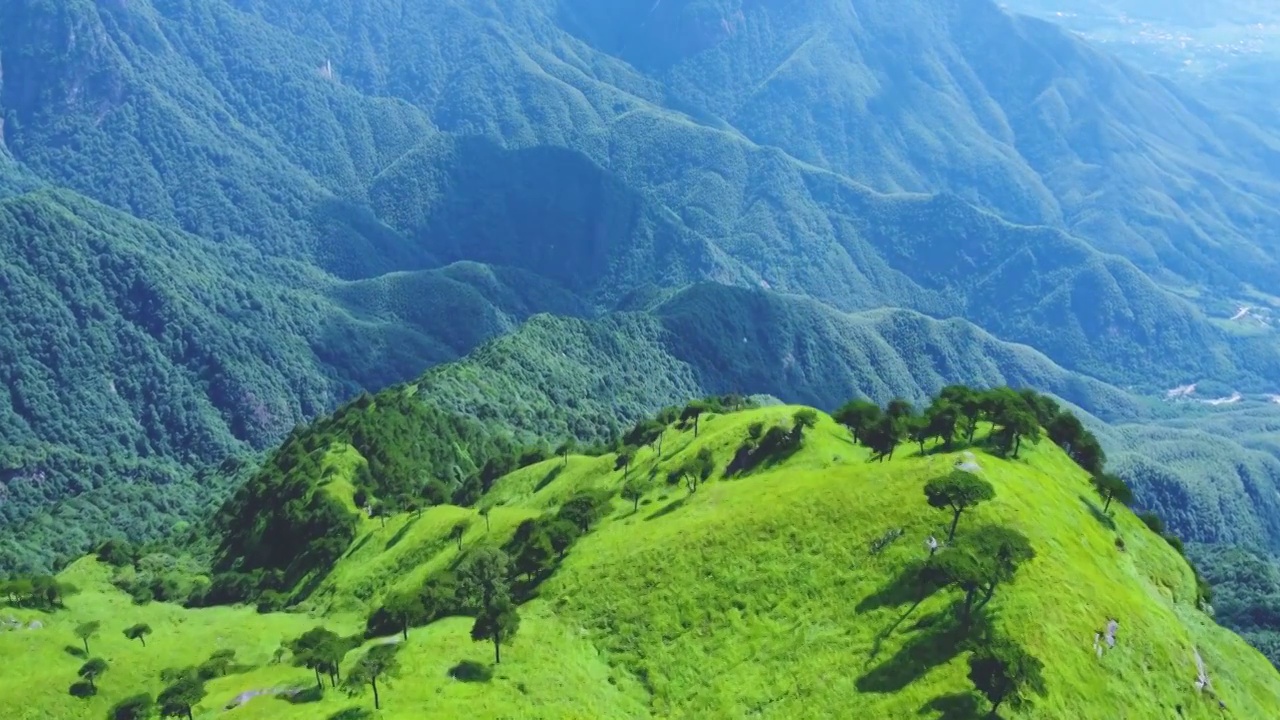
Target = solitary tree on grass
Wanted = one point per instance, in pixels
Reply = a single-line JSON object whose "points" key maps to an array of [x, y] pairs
{"points": [[181, 697], [634, 490], [458, 531], [138, 632], [499, 623], [406, 609], [566, 449], [982, 563], [625, 458], [379, 663], [484, 578], [484, 510], [694, 411], [957, 491], [485, 582], [92, 670], [1112, 487], [86, 631], [1004, 671], [804, 419]]}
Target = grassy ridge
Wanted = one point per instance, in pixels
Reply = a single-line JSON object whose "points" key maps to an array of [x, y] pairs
{"points": [[758, 595]]}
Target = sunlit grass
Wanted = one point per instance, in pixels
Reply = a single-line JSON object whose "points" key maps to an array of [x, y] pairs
{"points": [[758, 596]]}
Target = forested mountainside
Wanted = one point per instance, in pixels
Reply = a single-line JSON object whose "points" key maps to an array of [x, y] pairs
{"points": [[222, 219]]}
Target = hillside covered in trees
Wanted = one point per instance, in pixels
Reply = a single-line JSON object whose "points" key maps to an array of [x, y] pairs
{"points": [[969, 556]]}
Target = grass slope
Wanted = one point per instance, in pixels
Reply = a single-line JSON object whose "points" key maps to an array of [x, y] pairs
{"points": [[758, 596]]}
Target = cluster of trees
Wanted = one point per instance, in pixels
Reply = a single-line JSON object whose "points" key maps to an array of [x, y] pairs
{"points": [[154, 572], [774, 444], [184, 687], [955, 414], [280, 527], [977, 564], [39, 592]]}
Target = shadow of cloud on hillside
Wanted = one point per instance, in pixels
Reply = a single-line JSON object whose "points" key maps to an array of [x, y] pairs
{"points": [[957, 706], [1106, 520]]}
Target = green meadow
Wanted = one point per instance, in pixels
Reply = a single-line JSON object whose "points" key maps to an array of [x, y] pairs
{"points": [[778, 592]]}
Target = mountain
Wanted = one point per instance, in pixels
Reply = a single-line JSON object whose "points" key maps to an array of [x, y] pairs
{"points": [[789, 590], [222, 220]]}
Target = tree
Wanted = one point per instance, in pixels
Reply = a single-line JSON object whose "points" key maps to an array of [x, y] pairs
{"points": [[634, 490], [567, 448], [406, 609], [941, 420], [883, 437], [499, 623], [379, 663], [697, 469], [457, 532], [484, 510], [218, 665], [982, 563], [1065, 430], [320, 650], [562, 534], [583, 510], [92, 670], [484, 578], [918, 430], [968, 403], [1004, 671], [625, 458], [136, 707], [86, 631], [117, 553], [694, 411], [1088, 454], [536, 556], [439, 596], [138, 632], [804, 419], [646, 432], [958, 491], [899, 410], [858, 415], [181, 697], [1112, 487], [1009, 410]]}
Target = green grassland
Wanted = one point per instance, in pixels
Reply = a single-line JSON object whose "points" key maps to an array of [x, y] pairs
{"points": [[757, 596]]}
